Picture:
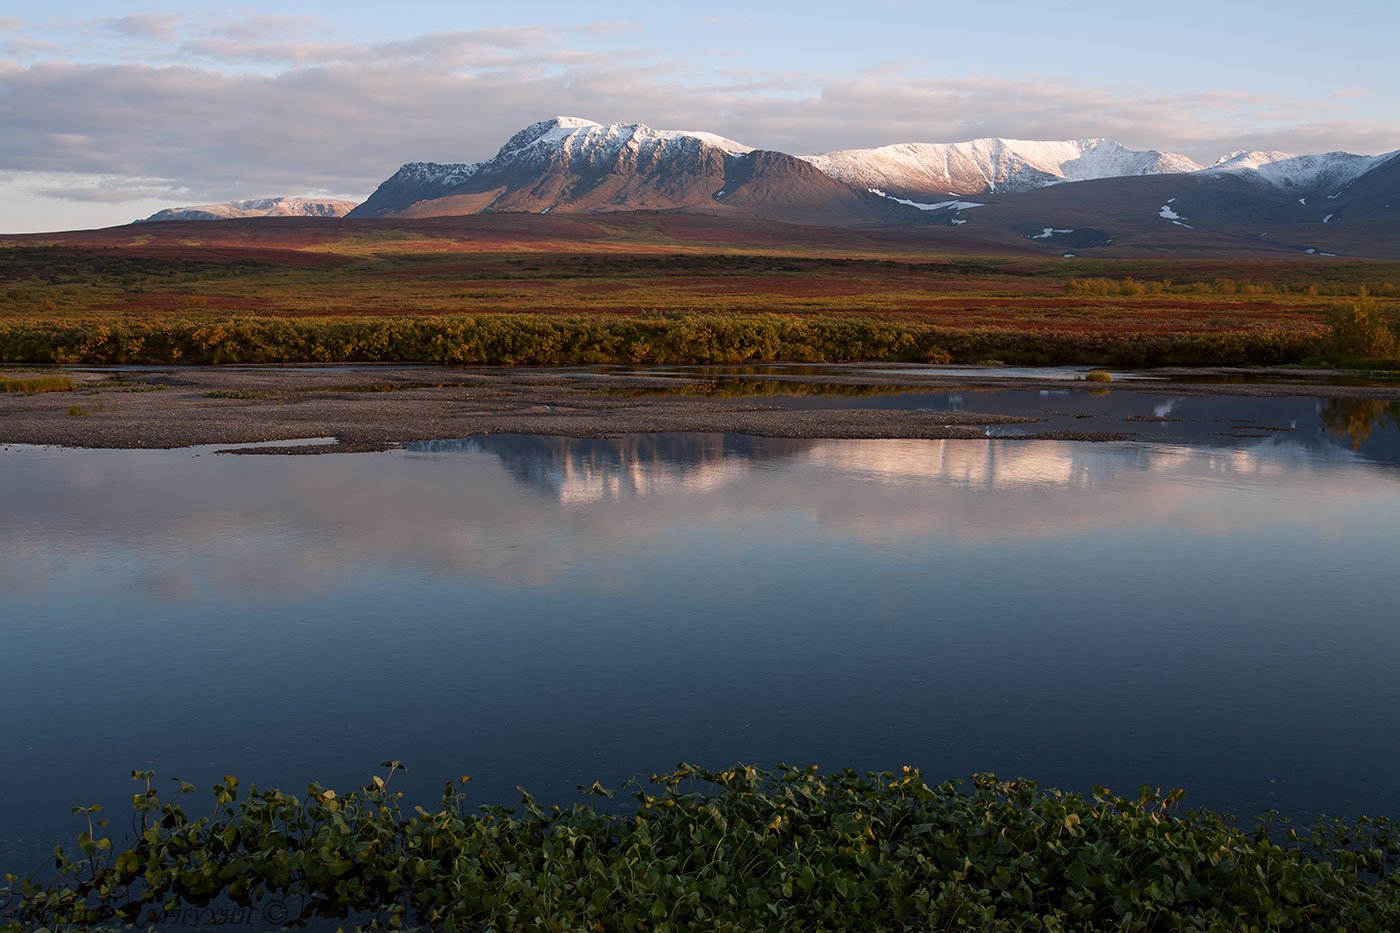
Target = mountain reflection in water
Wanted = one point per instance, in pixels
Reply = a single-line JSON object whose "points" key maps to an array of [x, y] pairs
{"points": [[549, 611], [582, 470]]}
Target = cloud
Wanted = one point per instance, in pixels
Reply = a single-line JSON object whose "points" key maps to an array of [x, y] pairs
{"points": [[265, 27], [25, 47], [98, 190], [156, 27], [251, 106], [234, 50]]}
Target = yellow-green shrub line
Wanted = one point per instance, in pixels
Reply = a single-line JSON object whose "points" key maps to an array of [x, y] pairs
{"points": [[557, 340]]}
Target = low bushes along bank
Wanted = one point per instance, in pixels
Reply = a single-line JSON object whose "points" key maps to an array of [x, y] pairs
{"points": [[741, 849], [544, 340]]}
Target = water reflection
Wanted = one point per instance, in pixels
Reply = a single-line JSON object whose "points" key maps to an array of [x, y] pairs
{"points": [[576, 471], [1290, 424], [555, 610], [175, 525], [1356, 419]]}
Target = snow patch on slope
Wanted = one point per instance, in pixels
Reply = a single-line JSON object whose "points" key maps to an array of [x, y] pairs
{"points": [[1166, 212], [937, 206]]}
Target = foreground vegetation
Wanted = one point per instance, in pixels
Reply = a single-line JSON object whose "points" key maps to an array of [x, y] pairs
{"points": [[737, 849], [514, 289], [31, 383], [549, 340]]}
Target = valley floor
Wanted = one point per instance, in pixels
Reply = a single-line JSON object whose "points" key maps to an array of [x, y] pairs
{"points": [[648, 288]]}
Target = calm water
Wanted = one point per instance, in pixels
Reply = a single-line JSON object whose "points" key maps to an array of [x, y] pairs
{"points": [[1211, 607]]}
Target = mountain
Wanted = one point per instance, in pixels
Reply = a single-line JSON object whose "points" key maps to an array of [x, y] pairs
{"points": [[565, 163], [1376, 192], [1328, 174], [261, 207], [930, 172], [1057, 197], [571, 165], [1206, 212]]}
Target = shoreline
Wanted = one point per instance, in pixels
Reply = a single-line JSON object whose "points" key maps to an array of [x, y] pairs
{"points": [[382, 406]]}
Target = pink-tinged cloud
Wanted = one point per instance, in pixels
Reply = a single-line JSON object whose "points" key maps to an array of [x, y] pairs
{"points": [[253, 109]]}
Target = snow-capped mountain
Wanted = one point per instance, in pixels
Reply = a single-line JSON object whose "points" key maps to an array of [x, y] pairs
{"points": [[571, 165], [932, 171], [1328, 173], [258, 207], [415, 182], [1067, 196], [593, 142]]}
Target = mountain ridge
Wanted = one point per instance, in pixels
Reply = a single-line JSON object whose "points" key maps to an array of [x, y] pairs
{"points": [[918, 175], [256, 207], [989, 190], [992, 165], [572, 165]]}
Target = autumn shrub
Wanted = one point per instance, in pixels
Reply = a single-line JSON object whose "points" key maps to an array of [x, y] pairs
{"points": [[557, 340], [1360, 330]]}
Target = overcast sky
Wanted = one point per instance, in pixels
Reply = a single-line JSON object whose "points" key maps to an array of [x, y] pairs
{"points": [[108, 113]]}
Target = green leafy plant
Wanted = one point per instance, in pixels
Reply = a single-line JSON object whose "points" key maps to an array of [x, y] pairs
{"points": [[737, 849]]}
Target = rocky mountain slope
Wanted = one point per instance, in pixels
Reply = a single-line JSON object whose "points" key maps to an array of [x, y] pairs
{"points": [[571, 165], [260, 207]]}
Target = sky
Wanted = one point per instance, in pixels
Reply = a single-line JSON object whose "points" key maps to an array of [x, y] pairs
{"points": [[109, 112]]}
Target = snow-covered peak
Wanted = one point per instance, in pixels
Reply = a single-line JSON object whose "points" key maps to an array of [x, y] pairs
{"points": [[993, 165], [573, 122], [258, 207], [575, 137], [1245, 159], [1331, 171]]}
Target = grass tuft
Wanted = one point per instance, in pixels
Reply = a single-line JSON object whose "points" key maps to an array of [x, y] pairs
{"points": [[237, 394], [30, 385]]}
